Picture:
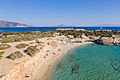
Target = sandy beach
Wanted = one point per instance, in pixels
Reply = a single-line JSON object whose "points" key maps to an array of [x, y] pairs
{"points": [[40, 66], [44, 70]]}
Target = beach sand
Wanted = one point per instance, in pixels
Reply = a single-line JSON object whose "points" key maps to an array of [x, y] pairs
{"points": [[43, 71], [40, 66]]}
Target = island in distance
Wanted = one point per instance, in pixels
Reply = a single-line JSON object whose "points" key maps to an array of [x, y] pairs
{"points": [[12, 24]]}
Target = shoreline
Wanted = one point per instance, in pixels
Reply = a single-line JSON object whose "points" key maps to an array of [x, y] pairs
{"points": [[41, 65], [52, 47], [43, 71]]}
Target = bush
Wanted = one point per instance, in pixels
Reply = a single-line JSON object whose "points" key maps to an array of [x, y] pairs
{"points": [[10, 39], [74, 33], [15, 55], [22, 45], [1, 53], [4, 46], [7, 40], [31, 51]]}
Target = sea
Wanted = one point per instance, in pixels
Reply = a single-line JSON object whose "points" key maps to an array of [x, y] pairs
{"points": [[35, 29], [89, 62]]}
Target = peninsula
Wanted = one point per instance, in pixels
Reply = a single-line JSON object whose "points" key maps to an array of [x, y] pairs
{"points": [[31, 55]]}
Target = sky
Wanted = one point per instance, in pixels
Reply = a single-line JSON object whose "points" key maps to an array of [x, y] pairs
{"points": [[56, 12]]}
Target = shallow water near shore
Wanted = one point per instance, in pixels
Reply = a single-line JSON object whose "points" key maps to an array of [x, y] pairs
{"points": [[90, 62]]}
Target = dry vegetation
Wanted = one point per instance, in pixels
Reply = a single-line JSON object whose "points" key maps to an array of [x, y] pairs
{"points": [[31, 50], [4, 46], [1, 54], [15, 55], [88, 33], [23, 36], [22, 45]]}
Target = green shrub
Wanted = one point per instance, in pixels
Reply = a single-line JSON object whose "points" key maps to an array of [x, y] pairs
{"points": [[10, 39], [15, 55], [1, 53], [22, 45], [7, 40], [31, 50], [4, 46]]}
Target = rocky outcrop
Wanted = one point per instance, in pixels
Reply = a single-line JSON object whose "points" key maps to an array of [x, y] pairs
{"points": [[107, 41]]}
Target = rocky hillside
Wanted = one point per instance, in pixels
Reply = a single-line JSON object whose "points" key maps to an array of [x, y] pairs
{"points": [[12, 24]]}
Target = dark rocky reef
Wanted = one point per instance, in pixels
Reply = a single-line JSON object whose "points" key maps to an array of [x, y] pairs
{"points": [[115, 64], [75, 69]]}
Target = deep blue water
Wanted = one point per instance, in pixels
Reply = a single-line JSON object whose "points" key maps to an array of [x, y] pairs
{"points": [[33, 29], [91, 62]]}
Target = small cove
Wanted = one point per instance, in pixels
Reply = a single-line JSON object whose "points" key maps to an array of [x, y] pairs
{"points": [[90, 62]]}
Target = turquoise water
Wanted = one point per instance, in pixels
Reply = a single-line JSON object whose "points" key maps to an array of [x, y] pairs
{"points": [[91, 62]]}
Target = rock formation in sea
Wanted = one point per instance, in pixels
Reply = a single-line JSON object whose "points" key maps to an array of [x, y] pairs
{"points": [[75, 69]]}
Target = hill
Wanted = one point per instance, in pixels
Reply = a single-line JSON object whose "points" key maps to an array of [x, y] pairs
{"points": [[12, 24]]}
